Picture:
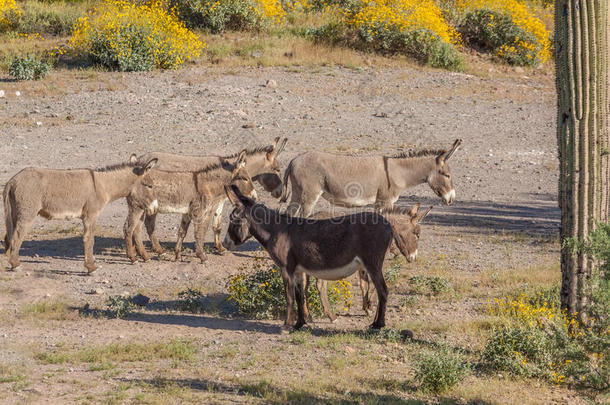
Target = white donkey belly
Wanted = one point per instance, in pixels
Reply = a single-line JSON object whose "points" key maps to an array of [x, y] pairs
{"points": [[173, 209], [61, 214], [336, 273], [350, 201]]}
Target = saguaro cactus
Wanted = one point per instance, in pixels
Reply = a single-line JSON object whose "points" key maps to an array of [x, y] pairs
{"points": [[581, 35]]}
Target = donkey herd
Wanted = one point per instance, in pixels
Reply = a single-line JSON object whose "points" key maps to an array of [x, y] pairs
{"points": [[323, 246]]}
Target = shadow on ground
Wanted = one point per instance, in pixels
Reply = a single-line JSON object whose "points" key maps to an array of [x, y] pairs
{"points": [[541, 217], [275, 395]]}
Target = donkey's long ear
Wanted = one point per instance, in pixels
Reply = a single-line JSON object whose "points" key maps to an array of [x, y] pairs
{"points": [[455, 147], [274, 149], [232, 196], [133, 159], [151, 163], [281, 147], [241, 159], [414, 210], [421, 217]]}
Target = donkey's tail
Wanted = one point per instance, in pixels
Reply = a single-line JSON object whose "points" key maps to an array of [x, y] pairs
{"points": [[8, 214], [287, 173]]}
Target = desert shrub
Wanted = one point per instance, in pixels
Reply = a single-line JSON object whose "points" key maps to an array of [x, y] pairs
{"points": [[437, 371], [259, 292], [29, 67], [57, 18], [430, 285], [9, 14], [119, 307], [190, 300], [538, 339], [130, 37], [507, 28], [236, 15]]}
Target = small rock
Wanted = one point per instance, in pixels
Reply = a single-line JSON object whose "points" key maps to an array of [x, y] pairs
{"points": [[17, 93], [249, 125], [257, 54], [38, 123], [381, 115], [141, 300], [271, 83], [519, 69], [350, 349], [47, 295], [1, 93], [104, 281]]}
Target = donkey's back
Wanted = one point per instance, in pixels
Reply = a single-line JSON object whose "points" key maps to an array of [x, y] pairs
{"points": [[176, 162]]}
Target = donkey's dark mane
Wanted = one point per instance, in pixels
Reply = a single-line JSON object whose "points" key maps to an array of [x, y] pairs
{"points": [[250, 152], [116, 166], [396, 210], [419, 153]]}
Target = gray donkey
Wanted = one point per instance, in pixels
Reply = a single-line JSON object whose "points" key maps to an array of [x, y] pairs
{"points": [[355, 181], [261, 163], [194, 194], [65, 194]]}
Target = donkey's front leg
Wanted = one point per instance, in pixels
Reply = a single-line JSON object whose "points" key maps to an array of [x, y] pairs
{"points": [[150, 222], [131, 223], [300, 297], [217, 226], [88, 238], [184, 227], [322, 286], [375, 272], [137, 238], [202, 220], [289, 292]]}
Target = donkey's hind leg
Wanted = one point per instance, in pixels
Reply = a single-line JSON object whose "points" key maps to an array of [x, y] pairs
{"points": [[300, 293], [322, 286], [150, 222], [375, 272], [21, 227], [365, 287], [137, 238]]}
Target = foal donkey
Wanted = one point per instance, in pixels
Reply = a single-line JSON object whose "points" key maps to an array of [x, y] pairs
{"points": [[325, 249], [262, 164], [194, 194], [65, 194]]}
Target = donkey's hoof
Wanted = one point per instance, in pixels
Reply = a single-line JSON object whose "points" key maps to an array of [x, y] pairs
{"points": [[285, 330], [15, 268], [332, 319], [91, 268], [221, 251], [376, 326]]}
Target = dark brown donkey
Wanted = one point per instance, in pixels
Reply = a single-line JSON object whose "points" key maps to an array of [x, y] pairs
{"points": [[405, 226], [65, 194], [326, 249]]}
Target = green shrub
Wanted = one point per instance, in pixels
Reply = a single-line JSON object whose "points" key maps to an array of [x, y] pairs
{"points": [[496, 32], [236, 15], [191, 300], [119, 307], [29, 67], [430, 284], [56, 18], [437, 371], [259, 292]]}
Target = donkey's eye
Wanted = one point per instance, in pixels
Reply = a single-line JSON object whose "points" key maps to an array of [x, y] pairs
{"points": [[148, 185]]}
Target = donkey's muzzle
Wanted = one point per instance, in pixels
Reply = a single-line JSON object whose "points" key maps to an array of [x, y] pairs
{"points": [[412, 257], [449, 197], [152, 208], [228, 243], [277, 193]]}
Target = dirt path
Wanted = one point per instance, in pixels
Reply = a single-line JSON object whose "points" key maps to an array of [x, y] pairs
{"points": [[505, 176]]}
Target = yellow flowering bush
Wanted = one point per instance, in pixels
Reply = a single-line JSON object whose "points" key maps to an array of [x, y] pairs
{"points": [[259, 292], [131, 37], [413, 27], [508, 28], [221, 15], [9, 13]]}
